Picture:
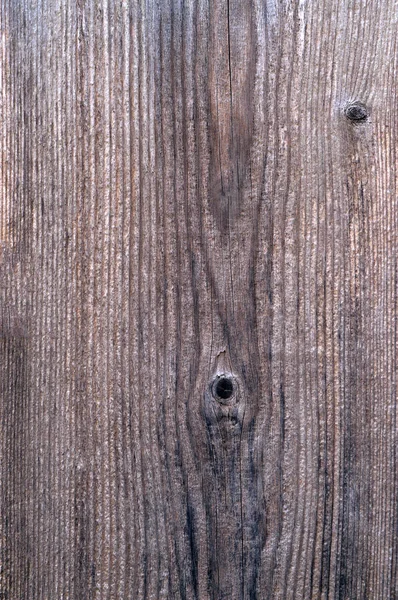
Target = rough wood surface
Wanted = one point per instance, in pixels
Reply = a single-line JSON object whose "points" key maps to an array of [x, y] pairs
{"points": [[183, 195]]}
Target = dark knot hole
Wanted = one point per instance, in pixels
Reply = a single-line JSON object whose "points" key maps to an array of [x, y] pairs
{"points": [[223, 388], [356, 111]]}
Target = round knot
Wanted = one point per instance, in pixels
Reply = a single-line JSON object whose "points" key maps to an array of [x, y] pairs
{"points": [[356, 111], [223, 388]]}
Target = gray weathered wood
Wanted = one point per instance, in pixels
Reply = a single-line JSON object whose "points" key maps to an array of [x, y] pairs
{"points": [[184, 194]]}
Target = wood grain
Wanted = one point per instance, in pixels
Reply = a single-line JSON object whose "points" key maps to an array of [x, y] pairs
{"points": [[182, 195]]}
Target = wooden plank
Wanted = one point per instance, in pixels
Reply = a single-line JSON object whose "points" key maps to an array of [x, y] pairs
{"points": [[198, 300]]}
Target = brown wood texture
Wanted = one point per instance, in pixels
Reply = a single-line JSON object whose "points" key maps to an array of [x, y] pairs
{"points": [[184, 194]]}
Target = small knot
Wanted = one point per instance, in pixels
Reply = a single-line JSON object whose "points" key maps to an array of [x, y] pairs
{"points": [[356, 111], [223, 388]]}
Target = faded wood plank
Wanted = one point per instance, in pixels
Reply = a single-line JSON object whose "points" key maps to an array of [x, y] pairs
{"points": [[185, 195]]}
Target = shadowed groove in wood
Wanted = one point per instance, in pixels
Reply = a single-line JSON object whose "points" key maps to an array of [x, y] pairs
{"points": [[183, 196]]}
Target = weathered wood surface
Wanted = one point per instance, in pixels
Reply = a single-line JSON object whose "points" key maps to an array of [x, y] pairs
{"points": [[183, 195]]}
